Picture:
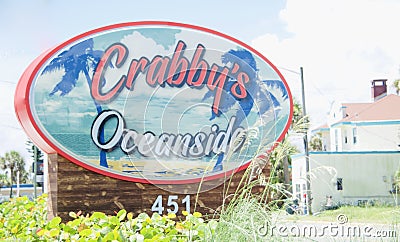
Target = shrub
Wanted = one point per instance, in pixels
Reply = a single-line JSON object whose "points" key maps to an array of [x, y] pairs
{"points": [[21, 218], [25, 220]]}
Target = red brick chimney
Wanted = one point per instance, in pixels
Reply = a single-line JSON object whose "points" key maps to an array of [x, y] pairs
{"points": [[378, 89]]}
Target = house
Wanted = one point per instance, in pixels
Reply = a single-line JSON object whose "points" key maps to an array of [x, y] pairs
{"points": [[361, 153]]}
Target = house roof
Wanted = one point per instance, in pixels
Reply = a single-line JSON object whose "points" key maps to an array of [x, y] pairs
{"points": [[321, 128], [386, 108]]}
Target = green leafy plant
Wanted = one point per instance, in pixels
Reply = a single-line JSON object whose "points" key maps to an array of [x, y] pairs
{"points": [[396, 182], [21, 218], [24, 220]]}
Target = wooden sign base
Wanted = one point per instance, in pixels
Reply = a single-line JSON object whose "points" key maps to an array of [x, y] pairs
{"points": [[73, 188]]}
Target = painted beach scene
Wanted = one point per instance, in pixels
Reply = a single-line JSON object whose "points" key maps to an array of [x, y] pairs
{"points": [[160, 103]]}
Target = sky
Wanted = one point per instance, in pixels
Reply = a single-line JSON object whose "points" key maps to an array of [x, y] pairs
{"points": [[342, 45]]}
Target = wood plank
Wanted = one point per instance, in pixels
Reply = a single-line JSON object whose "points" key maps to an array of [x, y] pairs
{"points": [[74, 188]]}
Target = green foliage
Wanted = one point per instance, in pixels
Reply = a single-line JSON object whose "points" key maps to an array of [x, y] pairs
{"points": [[25, 220], [396, 84], [315, 143], [283, 151], [377, 214], [31, 150], [242, 219], [14, 162], [21, 218], [396, 181], [297, 111], [4, 180]]}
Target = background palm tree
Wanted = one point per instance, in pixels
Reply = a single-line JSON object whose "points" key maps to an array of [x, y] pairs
{"points": [[80, 58], [281, 157], [4, 181], [396, 181], [316, 143], [396, 84], [14, 162]]}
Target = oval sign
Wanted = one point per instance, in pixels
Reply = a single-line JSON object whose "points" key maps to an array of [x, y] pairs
{"points": [[154, 102]]}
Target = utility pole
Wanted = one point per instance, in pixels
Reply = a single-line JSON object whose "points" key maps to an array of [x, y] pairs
{"points": [[18, 183], [305, 138], [35, 159]]}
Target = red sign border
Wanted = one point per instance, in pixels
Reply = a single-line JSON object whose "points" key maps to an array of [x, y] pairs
{"points": [[25, 116]]}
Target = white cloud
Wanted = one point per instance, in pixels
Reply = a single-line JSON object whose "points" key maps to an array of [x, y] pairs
{"points": [[342, 45]]}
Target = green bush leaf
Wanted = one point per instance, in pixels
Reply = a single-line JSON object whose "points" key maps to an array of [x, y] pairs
{"points": [[130, 216], [121, 214], [54, 222], [109, 236], [85, 232], [98, 215], [72, 215], [54, 232], [114, 220]]}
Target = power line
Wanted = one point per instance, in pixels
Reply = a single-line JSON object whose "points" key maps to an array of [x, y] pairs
{"points": [[9, 126], [289, 70], [323, 95], [9, 82]]}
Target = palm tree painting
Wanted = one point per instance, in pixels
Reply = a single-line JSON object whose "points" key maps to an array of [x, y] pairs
{"points": [[264, 99], [80, 58]]}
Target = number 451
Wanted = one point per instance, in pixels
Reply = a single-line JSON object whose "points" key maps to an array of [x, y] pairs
{"points": [[171, 202]]}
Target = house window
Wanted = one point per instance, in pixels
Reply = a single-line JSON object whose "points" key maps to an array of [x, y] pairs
{"points": [[345, 136], [297, 188], [339, 184], [298, 191], [354, 135], [336, 140]]}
